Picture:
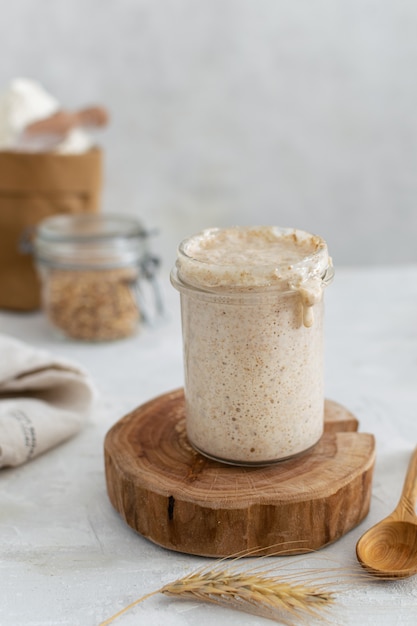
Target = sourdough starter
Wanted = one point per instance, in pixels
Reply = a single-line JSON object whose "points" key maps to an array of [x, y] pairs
{"points": [[251, 303]]}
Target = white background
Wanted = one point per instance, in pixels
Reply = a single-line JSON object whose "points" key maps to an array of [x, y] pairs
{"points": [[241, 111]]}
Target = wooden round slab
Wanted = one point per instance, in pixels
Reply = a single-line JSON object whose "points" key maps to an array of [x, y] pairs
{"points": [[183, 501]]}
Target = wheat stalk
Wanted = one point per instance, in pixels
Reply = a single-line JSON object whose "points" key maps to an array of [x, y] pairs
{"points": [[251, 591]]}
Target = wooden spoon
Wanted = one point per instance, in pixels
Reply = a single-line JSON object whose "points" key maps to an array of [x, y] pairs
{"points": [[389, 549], [61, 122]]}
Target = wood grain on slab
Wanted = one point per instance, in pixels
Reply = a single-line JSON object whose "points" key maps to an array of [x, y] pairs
{"points": [[183, 501]]}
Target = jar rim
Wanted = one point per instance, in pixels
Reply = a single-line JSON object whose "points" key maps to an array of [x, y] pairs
{"points": [[236, 258], [90, 240], [89, 227], [233, 293]]}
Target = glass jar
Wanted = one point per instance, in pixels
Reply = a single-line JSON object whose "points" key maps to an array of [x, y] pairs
{"points": [[252, 320], [90, 267]]}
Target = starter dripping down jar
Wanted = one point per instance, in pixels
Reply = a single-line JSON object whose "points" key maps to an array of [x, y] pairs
{"points": [[90, 267], [252, 323]]}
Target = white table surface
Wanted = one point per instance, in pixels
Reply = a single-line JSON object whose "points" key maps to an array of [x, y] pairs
{"points": [[67, 558]]}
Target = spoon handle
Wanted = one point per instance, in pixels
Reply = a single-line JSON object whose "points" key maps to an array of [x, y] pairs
{"points": [[408, 498]]}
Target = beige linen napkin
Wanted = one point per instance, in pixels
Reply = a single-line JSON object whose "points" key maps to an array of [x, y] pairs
{"points": [[43, 401]]}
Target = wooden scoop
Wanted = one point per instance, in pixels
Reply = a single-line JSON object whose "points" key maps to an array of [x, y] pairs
{"points": [[389, 549], [61, 122]]}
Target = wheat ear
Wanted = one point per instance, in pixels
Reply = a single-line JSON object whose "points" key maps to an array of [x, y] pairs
{"points": [[253, 592]]}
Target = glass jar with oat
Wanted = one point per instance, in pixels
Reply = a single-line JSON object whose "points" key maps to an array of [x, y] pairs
{"points": [[90, 268], [252, 318]]}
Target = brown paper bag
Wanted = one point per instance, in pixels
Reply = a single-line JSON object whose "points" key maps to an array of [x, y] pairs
{"points": [[32, 187]]}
